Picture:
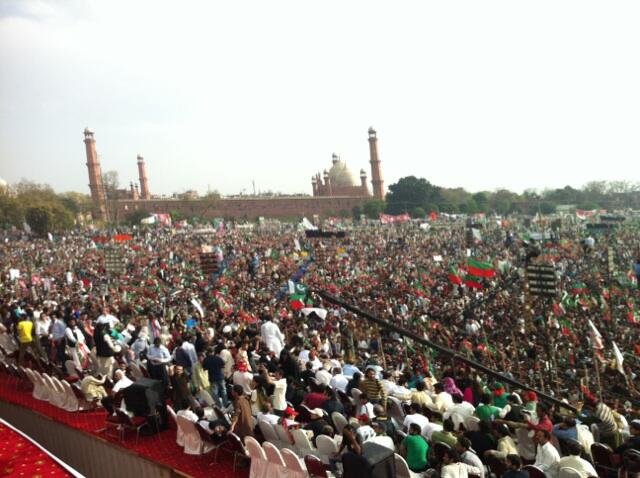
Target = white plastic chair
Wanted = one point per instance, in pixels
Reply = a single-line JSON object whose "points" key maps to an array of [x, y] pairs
{"points": [[566, 472], [402, 469], [258, 458], [472, 424], [43, 389], [55, 397], [179, 433], [395, 409], [72, 404], [295, 466], [302, 444], [64, 399], [526, 446], [339, 421], [276, 467], [269, 433], [37, 388], [327, 447], [355, 393], [193, 444], [283, 436]]}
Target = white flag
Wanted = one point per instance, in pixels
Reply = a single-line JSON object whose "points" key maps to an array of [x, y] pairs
{"points": [[322, 313], [198, 307], [297, 244], [595, 335], [619, 358]]}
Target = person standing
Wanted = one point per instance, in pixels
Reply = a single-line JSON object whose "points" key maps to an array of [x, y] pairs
{"points": [[242, 423], [214, 365], [25, 338], [158, 358], [271, 335]]}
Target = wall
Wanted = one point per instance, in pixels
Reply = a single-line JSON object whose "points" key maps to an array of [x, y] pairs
{"points": [[247, 208]]}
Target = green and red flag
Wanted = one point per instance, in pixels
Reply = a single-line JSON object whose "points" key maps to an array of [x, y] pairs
{"points": [[480, 269], [472, 282], [454, 276], [579, 288]]}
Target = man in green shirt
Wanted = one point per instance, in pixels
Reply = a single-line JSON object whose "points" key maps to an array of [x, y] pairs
{"points": [[415, 449], [487, 411], [446, 435]]}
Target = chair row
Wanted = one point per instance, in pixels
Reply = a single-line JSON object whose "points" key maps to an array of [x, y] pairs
{"points": [[59, 393]]}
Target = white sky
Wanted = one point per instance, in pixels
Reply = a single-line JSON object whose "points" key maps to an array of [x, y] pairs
{"points": [[478, 94]]}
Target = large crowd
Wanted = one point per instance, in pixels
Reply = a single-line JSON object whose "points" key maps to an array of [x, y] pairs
{"points": [[257, 343]]}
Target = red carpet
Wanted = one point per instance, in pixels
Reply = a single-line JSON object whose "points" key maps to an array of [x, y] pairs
{"points": [[20, 457], [161, 448]]}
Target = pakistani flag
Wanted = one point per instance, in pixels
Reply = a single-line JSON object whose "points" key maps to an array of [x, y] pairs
{"points": [[297, 295]]}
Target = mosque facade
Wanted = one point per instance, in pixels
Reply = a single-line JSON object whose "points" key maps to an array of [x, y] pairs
{"points": [[333, 193]]}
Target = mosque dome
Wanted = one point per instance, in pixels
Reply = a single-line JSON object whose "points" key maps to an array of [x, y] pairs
{"points": [[340, 175]]}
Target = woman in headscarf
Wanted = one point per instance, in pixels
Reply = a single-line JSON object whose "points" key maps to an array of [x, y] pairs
{"points": [[450, 387]]}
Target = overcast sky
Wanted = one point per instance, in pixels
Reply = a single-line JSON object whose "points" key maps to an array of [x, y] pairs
{"points": [[478, 94]]}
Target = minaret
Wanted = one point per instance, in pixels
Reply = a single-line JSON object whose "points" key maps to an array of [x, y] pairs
{"points": [[327, 184], [134, 191], [142, 173], [99, 209], [314, 185], [363, 182], [376, 173]]}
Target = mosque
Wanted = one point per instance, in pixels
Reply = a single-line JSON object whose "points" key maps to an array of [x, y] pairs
{"points": [[334, 192]]}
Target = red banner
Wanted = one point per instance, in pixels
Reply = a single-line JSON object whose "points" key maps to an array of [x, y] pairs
{"points": [[122, 237], [389, 219]]}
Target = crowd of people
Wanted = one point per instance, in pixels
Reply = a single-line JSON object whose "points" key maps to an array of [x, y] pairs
{"points": [[238, 341]]}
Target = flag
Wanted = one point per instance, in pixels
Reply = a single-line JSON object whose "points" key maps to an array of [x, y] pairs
{"points": [[480, 269], [619, 358], [472, 282], [322, 313], [389, 219], [297, 298], [595, 335], [198, 307], [579, 288], [454, 277], [122, 237], [475, 233], [225, 307]]}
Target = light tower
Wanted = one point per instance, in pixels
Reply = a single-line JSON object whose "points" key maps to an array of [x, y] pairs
{"points": [[99, 209], [376, 173], [144, 184]]}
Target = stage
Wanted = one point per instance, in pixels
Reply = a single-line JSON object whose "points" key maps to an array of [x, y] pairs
{"points": [[73, 438]]}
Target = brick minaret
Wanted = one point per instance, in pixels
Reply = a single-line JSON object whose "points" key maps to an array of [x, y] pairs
{"points": [[142, 173], [99, 209], [134, 191], [327, 184], [376, 173], [363, 181]]}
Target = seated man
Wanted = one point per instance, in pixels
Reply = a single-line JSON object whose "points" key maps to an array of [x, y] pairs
{"points": [[414, 449], [573, 460]]}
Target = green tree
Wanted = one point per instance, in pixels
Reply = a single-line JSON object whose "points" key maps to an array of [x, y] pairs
{"points": [[356, 211], [134, 218], [373, 208], [11, 211], [418, 213], [410, 192], [39, 219]]}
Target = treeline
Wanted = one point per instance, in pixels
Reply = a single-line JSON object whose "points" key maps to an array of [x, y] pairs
{"points": [[41, 208], [419, 197]]}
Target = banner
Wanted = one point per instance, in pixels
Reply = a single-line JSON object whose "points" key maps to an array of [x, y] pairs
{"points": [[389, 219]]}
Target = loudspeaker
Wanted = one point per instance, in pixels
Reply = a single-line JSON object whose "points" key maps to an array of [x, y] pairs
{"points": [[376, 461], [143, 396]]}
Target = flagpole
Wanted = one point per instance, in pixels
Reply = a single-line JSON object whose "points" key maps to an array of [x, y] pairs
{"points": [[596, 360]]}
